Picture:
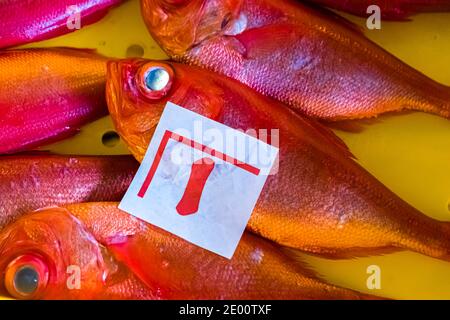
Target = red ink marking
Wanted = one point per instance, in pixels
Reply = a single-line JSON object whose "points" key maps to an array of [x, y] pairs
{"points": [[195, 145], [155, 164], [201, 169], [217, 154]]}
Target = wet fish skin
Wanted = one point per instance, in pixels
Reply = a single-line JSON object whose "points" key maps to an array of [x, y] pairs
{"points": [[390, 9], [40, 19], [31, 182], [320, 200], [69, 262], [312, 60], [48, 94], [176, 269]]}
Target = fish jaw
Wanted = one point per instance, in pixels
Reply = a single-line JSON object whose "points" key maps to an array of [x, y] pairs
{"points": [[40, 20]]}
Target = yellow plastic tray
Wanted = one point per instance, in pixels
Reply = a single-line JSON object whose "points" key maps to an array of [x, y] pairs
{"points": [[410, 153]]}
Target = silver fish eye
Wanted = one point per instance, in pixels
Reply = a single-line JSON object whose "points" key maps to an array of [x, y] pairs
{"points": [[157, 78], [26, 280]]}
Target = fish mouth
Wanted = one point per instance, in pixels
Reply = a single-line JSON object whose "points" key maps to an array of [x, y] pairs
{"points": [[121, 106], [113, 87], [114, 94]]}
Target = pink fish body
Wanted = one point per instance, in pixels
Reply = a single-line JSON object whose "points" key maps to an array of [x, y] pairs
{"points": [[48, 94], [312, 60], [31, 182], [27, 21], [390, 9]]}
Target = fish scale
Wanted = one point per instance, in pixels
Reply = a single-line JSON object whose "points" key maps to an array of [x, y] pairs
{"points": [[48, 94], [176, 269], [41, 19], [347, 75], [320, 200], [30, 182]]}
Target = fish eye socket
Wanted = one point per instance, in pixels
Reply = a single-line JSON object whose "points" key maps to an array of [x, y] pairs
{"points": [[26, 280], [26, 277], [155, 80]]}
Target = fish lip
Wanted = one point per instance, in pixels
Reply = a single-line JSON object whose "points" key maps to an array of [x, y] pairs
{"points": [[113, 85], [112, 69]]}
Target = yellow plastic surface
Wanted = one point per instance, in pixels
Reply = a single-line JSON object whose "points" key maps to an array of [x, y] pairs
{"points": [[410, 153]]}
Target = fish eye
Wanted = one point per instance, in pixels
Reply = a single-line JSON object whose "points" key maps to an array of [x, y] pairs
{"points": [[155, 80], [25, 277], [26, 280]]}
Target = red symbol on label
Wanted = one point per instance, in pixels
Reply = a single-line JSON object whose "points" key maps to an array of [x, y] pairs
{"points": [[200, 172], [201, 169]]}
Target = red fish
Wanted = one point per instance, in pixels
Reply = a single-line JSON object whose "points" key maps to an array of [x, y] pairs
{"points": [[176, 269], [50, 255], [28, 183], [320, 200], [48, 94], [390, 9], [27, 21], [317, 63]]}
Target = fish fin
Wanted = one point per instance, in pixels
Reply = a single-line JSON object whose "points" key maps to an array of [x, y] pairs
{"points": [[41, 145], [66, 50], [329, 135], [442, 107], [332, 14], [32, 153], [397, 15], [298, 257], [353, 126], [81, 51], [68, 133], [86, 50], [358, 125], [433, 97], [266, 40], [352, 253], [403, 17]]}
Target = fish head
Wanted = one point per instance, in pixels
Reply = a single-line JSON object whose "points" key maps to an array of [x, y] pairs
{"points": [[179, 25], [138, 90], [49, 255]]}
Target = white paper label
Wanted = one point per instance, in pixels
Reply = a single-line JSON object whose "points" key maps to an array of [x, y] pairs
{"points": [[200, 180]]}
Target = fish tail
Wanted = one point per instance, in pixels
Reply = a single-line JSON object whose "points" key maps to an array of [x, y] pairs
{"points": [[433, 242], [442, 107], [435, 99], [445, 241]]}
